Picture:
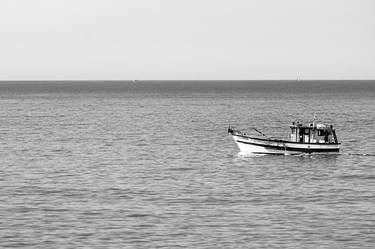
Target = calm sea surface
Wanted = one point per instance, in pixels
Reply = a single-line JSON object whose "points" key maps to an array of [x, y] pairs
{"points": [[150, 165]]}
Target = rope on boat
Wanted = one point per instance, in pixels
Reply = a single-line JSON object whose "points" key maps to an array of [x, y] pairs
{"points": [[259, 132]]}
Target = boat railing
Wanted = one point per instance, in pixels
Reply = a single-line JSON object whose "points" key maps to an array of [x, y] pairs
{"points": [[235, 132], [277, 138]]}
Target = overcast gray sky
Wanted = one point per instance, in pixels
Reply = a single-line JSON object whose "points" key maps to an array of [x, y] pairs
{"points": [[187, 39]]}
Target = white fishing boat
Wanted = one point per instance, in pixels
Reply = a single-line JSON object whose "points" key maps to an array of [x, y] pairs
{"points": [[311, 138]]}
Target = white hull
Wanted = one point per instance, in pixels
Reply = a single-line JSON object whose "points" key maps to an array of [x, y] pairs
{"points": [[267, 146]]}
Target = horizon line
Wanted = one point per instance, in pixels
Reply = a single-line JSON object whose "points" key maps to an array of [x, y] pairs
{"points": [[181, 80]]}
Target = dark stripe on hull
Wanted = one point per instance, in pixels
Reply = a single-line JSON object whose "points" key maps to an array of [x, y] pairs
{"points": [[277, 140], [291, 149]]}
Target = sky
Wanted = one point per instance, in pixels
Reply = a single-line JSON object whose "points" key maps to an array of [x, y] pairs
{"points": [[187, 39]]}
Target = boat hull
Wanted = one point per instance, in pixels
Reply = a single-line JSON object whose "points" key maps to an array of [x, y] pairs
{"points": [[249, 144]]}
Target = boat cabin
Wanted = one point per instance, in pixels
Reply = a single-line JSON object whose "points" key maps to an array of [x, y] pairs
{"points": [[313, 133]]}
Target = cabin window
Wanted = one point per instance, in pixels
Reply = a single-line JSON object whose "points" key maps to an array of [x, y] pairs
{"points": [[305, 131], [320, 132]]}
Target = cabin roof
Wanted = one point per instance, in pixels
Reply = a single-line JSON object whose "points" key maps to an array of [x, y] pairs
{"points": [[301, 126], [312, 126]]}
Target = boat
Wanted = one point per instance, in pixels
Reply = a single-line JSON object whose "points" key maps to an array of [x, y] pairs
{"points": [[308, 138]]}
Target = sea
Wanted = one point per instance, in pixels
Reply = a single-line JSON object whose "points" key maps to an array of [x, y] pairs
{"points": [[149, 164]]}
